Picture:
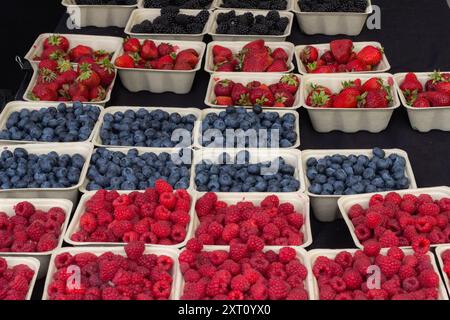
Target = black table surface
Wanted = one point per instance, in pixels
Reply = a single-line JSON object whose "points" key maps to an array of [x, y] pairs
{"points": [[415, 37]]}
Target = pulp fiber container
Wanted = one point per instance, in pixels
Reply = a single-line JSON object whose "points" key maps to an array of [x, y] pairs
{"points": [[245, 78], [331, 254], [325, 207], [98, 15], [140, 15], [41, 258], [16, 106], [32, 263], [291, 157], [439, 251], [236, 46], [249, 37], [346, 202], [98, 251], [299, 201], [424, 119], [347, 120], [332, 23], [81, 209], [84, 149], [301, 255], [383, 66], [198, 137], [159, 81], [97, 140]]}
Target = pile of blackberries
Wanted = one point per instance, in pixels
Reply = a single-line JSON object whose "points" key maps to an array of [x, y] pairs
{"points": [[333, 5], [247, 23], [183, 4], [256, 4]]}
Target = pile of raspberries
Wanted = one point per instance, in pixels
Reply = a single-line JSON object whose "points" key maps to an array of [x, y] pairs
{"points": [[446, 259], [410, 220], [112, 276], [31, 229], [270, 224], [243, 273], [157, 216], [15, 281], [403, 276]]}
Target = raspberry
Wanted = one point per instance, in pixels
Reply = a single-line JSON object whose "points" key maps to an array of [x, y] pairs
{"points": [[389, 266], [162, 290], [180, 217], [352, 279], [361, 265], [356, 211], [338, 284], [425, 224], [408, 206], [135, 250], [271, 232], [161, 229], [372, 248], [286, 209], [238, 252], [326, 292], [46, 243], [231, 231], [421, 245], [187, 256], [110, 294], [206, 239], [162, 186], [362, 233], [123, 213], [297, 295], [259, 292], [392, 286], [393, 197], [19, 283], [191, 275], [168, 200], [388, 239], [296, 220], [446, 255], [428, 209], [240, 283], [255, 243], [88, 222], [81, 259], [3, 265], [206, 204], [278, 289], [108, 269], [57, 214], [36, 230], [162, 213], [194, 245], [429, 279], [271, 202], [322, 267], [286, 255], [411, 284], [215, 229], [24, 209], [178, 233], [123, 200], [218, 257], [344, 259], [396, 253], [119, 228]]}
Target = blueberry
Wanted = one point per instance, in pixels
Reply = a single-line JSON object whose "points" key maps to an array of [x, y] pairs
{"points": [[378, 152], [311, 173], [369, 173], [340, 174], [378, 182], [315, 188]]}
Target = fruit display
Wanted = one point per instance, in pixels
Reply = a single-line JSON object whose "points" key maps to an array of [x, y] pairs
{"points": [[446, 260], [31, 229], [373, 93], [396, 220], [171, 21], [255, 93], [130, 275], [341, 57], [16, 281], [147, 55], [144, 128], [255, 4], [61, 81], [57, 47], [182, 4], [280, 130], [252, 24], [255, 56], [61, 123], [242, 273], [345, 275], [434, 93], [357, 174], [134, 170], [267, 223], [239, 174], [105, 2], [357, 6], [23, 170], [157, 216]]}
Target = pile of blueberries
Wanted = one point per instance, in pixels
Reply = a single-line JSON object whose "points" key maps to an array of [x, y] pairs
{"points": [[241, 120], [143, 128], [22, 170], [133, 171], [240, 175], [52, 124], [347, 175]]}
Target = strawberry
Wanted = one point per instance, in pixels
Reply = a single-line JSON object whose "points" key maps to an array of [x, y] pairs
{"points": [[373, 84], [257, 62], [253, 85], [309, 54], [411, 86], [219, 51], [262, 97], [341, 50], [328, 57], [280, 54], [43, 92], [52, 53], [438, 99], [86, 59], [77, 89], [227, 66], [88, 77], [125, 61], [165, 49], [377, 98], [240, 95], [100, 55], [182, 66], [189, 57], [278, 66], [324, 69], [149, 50], [443, 87], [165, 62], [80, 51], [132, 45], [356, 66], [56, 41], [347, 98], [435, 77], [370, 55], [66, 77], [289, 82], [356, 84], [223, 88], [46, 76], [97, 94], [320, 97], [283, 98], [223, 101], [105, 70], [421, 102], [256, 45], [48, 64]]}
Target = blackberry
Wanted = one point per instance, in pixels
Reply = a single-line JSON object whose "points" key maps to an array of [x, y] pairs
{"points": [[259, 29], [260, 19], [273, 15], [242, 29], [139, 28], [249, 17], [282, 24], [194, 28], [222, 28], [183, 19], [202, 17], [170, 11]]}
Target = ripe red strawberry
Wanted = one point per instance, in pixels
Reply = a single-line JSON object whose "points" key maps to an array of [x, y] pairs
{"points": [[324, 69], [105, 70], [280, 54], [341, 50], [165, 63], [257, 61], [149, 50], [219, 51], [189, 57], [162, 186], [421, 102], [48, 64], [223, 88], [182, 66], [374, 83], [438, 99], [411, 85], [227, 66], [77, 89], [125, 61], [443, 87], [370, 55], [347, 98], [309, 54], [165, 49], [319, 98], [283, 99], [131, 45], [328, 57], [256, 45], [57, 41], [262, 97], [240, 95], [223, 101], [375, 99], [278, 65], [289, 82], [52, 53], [356, 84], [356, 66], [97, 94], [43, 92], [88, 77], [80, 51]]}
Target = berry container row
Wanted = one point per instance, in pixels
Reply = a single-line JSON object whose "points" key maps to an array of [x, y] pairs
{"points": [[218, 4], [32, 263]]}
